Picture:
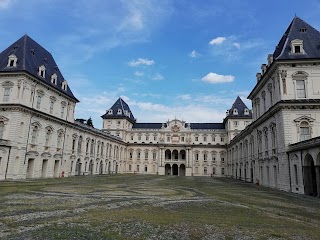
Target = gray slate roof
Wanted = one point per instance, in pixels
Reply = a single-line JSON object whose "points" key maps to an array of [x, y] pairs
{"points": [[31, 56], [119, 104], [299, 29], [192, 125], [240, 106]]}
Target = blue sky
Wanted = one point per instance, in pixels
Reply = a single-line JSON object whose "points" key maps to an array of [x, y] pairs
{"points": [[166, 59]]}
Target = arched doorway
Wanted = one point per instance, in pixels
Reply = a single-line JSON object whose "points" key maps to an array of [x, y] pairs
{"points": [[90, 167], [167, 169], [78, 167], [309, 176], [182, 170], [101, 168], [175, 169], [167, 154]]}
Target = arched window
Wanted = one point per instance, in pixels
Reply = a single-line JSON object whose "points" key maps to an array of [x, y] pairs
{"points": [[34, 134], [64, 85], [48, 136], [235, 111], [305, 132], [42, 71], [79, 144], [12, 61], [59, 139], [54, 78]]}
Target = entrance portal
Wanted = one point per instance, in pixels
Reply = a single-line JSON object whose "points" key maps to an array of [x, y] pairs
{"points": [[182, 170], [175, 169], [56, 168], [309, 175], [167, 169]]}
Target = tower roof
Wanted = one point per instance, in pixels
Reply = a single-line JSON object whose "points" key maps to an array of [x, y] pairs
{"points": [[120, 109], [239, 110], [30, 56], [299, 29]]}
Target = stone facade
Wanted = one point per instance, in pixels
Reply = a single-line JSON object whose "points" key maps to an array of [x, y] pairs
{"points": [[275, 145]]}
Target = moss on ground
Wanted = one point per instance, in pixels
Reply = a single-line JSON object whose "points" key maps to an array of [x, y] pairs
{"points": [[153, 207]]}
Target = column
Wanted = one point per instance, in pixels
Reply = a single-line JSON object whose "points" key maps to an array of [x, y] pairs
{"points": [[317, 167]]}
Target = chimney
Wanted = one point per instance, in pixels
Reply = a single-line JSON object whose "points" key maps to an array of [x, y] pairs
{"points": [[258, 75]]}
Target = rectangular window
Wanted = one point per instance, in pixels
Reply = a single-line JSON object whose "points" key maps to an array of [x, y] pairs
{"points": [[196, 139], [197, 156], [131, 137], [147, 138], [38, 101], [222, 171], [129, 167], [6, 95], [51, 106], [139, 137], [297, 49], [222, 139], [204, 138], [182, 139], [222, 160], [154, 156], [145, 168], [146, 155], [155, 138], [62, 111], [168, 139], [301, 91], [304, 133], [138, 168]]}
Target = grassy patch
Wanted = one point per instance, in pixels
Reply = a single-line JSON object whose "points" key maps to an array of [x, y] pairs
{"points": [[153, 207]]}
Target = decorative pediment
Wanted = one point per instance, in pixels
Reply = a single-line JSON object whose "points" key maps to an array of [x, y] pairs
{"points": [[46, 155], [32, 154], [304, 118], [4, 119], [36, 124], [175, 125], [57, 156]]}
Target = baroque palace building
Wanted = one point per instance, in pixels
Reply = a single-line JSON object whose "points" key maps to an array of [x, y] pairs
{"points": [[275, 145]]}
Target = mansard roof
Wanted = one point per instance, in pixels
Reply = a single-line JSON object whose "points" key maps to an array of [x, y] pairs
{"points": [[148, 126], [30, 56], [238, 110], [116, 114], [206, 125], [192, 125], [299, 29]]}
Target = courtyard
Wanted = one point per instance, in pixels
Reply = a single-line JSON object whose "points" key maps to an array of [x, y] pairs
{"points": [[153, 207]]}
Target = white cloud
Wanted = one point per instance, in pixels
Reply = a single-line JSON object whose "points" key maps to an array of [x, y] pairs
{"points": [[194, 54], [237, 45], [139, 74], [141, 61], [157, 77], [216, 78], [184, 97], [5, 3], [217, 41]]}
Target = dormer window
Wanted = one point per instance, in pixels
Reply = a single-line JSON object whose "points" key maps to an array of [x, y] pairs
{"points": [[12, 61], [297, 46], [54, 79], [42, 71], [246, 111], [110, 112], [64, 85], [235, 111], [119, 111]]}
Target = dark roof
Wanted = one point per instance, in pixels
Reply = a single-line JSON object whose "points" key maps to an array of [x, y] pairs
{"points": [[125, 111], [148, 125], [240, 106], [30, 57], [206, 125], [299, 29], [192, 125]]}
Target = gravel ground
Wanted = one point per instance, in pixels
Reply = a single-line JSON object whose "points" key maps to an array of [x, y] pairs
{"points": [[153, 207]]}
